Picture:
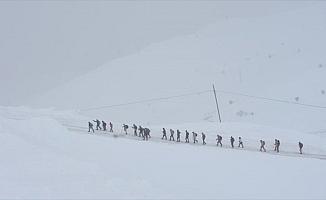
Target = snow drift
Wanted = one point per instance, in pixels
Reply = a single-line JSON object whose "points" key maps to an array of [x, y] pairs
{"points": [[41, 158]]}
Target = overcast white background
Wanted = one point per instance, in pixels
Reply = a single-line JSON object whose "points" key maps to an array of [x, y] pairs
{"points": [[45, 44]]}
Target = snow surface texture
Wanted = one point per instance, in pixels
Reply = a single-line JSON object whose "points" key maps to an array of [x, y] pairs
{"points": [[278, 56], [50, 154]]}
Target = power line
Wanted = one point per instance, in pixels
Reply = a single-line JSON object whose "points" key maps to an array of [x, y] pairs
{"points": [[147, 100], [203, 92], [271, 99]]}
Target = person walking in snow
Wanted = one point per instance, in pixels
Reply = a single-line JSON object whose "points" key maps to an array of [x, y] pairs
{"points": [[164, 134], [171, 134], [90, 127], [178, 135], [187, 137], [278, 143], [135, 129], [146, 133], [98, 124], [300, 147], [219, 140], [262, 146], [194, 136], [111, 127], [203, 137], [149, 133], [232, 141], [141, 131], [104, 125], [125, 128], [240, 143]]}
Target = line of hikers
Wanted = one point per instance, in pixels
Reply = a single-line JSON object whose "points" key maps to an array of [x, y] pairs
{"points": [[219, 140], [232, 140], [145, 134], [98, 126], [194, 138]]}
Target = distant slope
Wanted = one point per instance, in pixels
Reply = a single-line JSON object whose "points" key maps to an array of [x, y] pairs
{"points": [[278, 57]]}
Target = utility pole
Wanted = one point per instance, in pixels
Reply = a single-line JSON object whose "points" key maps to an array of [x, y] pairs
{"points": [[218, 110]]}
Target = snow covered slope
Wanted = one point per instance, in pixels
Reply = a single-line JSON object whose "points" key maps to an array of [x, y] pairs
{"points": [[278, 56], [49, 154]]}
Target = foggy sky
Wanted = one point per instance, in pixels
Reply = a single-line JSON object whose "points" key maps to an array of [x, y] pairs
{"points": [[45, 44]]}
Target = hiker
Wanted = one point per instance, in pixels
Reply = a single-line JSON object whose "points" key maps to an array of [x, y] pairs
{"points": [[240, 142], [203, 137], [98, 124], [104, 125], [300, 147], [232, 141], [125, 128], [164, 134], [278, 143], [146, 133], [187, 137], [194, 136], [262, 146], [90, 127], [275, 144], [219, 140], [111, 127], [141, 131], [171, 134], [149, 133], [178, 135], [135, 129]]}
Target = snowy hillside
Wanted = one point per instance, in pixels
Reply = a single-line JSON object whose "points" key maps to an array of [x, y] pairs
{"points": [[269, 74], [277, 56], [49, 154]]}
